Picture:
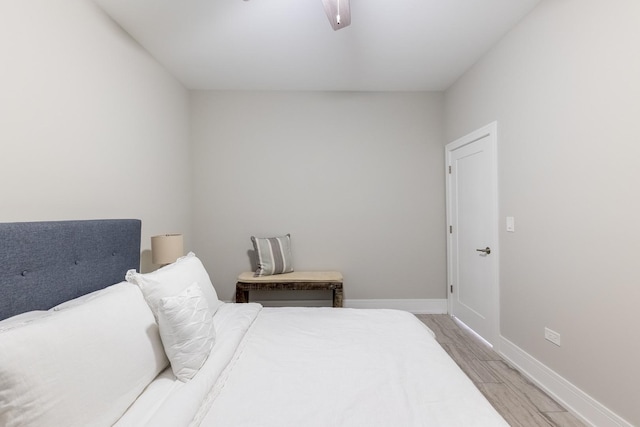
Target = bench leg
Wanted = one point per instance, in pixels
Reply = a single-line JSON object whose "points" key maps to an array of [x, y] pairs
{"points": [[337, 297], [242, 296]]}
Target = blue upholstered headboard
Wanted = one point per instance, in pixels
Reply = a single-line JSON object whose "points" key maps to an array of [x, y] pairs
{"points": [[43, 264]]}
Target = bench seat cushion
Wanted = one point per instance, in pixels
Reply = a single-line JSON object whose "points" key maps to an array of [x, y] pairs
{"points": [[296, 276]]}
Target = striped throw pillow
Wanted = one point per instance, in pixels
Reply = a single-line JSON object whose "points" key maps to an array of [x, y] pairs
{"points": [[274, 255]]}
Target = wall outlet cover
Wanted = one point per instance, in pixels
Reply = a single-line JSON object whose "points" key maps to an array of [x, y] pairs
{"points": [[511, 224], [552, 336]]}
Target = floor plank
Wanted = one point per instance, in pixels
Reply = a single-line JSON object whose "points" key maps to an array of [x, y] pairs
{"points": [[563, 419], [445, 321], [519, 401], [512, 407], [517, 382], [478, 370], [481, 349]]}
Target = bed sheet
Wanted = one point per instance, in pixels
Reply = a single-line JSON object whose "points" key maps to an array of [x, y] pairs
{"points": [[152, 398], [169, 402], [342, 367]]}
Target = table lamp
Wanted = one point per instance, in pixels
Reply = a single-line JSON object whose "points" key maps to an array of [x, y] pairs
{"points": [[166, 248]]}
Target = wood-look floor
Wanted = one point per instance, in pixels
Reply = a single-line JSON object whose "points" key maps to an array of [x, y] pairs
{"points": [[519, 401]]}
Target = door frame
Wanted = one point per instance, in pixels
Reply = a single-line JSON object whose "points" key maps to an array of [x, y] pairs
{"points": [[490, 131]]}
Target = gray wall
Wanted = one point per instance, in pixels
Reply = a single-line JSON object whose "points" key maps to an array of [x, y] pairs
{"points": [[356, 178], [564, 86], [90, 125]]}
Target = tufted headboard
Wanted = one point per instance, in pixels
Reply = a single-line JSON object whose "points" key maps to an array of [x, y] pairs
{"points": [[43, 264]]}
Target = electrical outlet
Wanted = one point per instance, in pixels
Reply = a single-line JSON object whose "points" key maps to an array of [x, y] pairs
{"points": [[552, 336]]}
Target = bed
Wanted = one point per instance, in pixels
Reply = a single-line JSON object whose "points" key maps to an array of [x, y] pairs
{"points": [[82, 346]]}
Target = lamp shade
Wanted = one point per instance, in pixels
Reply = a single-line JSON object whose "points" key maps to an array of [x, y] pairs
{"points": [[166, 248]]}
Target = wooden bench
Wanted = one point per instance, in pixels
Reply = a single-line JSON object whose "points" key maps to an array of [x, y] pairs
{"points": [[296, 281]]}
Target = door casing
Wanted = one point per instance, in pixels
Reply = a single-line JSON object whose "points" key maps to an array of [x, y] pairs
{"points": [[489, 131]]}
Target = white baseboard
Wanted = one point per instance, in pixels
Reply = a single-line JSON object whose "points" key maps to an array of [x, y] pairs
{"points": [[294, 303], [571, 397], [416, 306]]}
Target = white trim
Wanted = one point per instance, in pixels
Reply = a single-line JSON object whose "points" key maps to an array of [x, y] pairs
{"points": [[571, 397], [294, 303], [490, 131], [416, 306]]}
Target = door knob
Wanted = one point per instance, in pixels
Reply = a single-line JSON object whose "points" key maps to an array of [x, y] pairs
{"points": [[486, 250]]}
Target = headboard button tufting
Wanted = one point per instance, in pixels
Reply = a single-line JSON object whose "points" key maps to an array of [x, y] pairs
{"points": [[45, 263]]}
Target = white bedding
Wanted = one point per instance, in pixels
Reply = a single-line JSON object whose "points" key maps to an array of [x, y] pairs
{"points": [[181, 401], [321, 367]]}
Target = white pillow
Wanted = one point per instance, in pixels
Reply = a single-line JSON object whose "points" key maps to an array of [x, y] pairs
{"points": [[173, 279], [83, 298], [21, 319], [187, 332], [83, 366]]}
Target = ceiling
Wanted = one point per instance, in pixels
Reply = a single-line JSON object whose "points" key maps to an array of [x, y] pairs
{"points": [[391, 45]]}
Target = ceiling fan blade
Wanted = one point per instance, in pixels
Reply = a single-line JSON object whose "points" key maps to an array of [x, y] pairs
{"points": [[338, 12]]}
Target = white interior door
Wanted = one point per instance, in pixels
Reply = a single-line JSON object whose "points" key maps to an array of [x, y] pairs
{"points": [[472, 202]]}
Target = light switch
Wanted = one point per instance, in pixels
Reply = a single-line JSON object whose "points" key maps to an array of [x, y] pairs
{"points": [[511, 224]]}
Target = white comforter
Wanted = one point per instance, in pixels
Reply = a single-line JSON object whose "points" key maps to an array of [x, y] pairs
{"points": [[305, 367]]}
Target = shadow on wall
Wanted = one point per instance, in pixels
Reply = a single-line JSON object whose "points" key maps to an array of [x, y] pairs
{"points": [[146, 266], [253, 259]]}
